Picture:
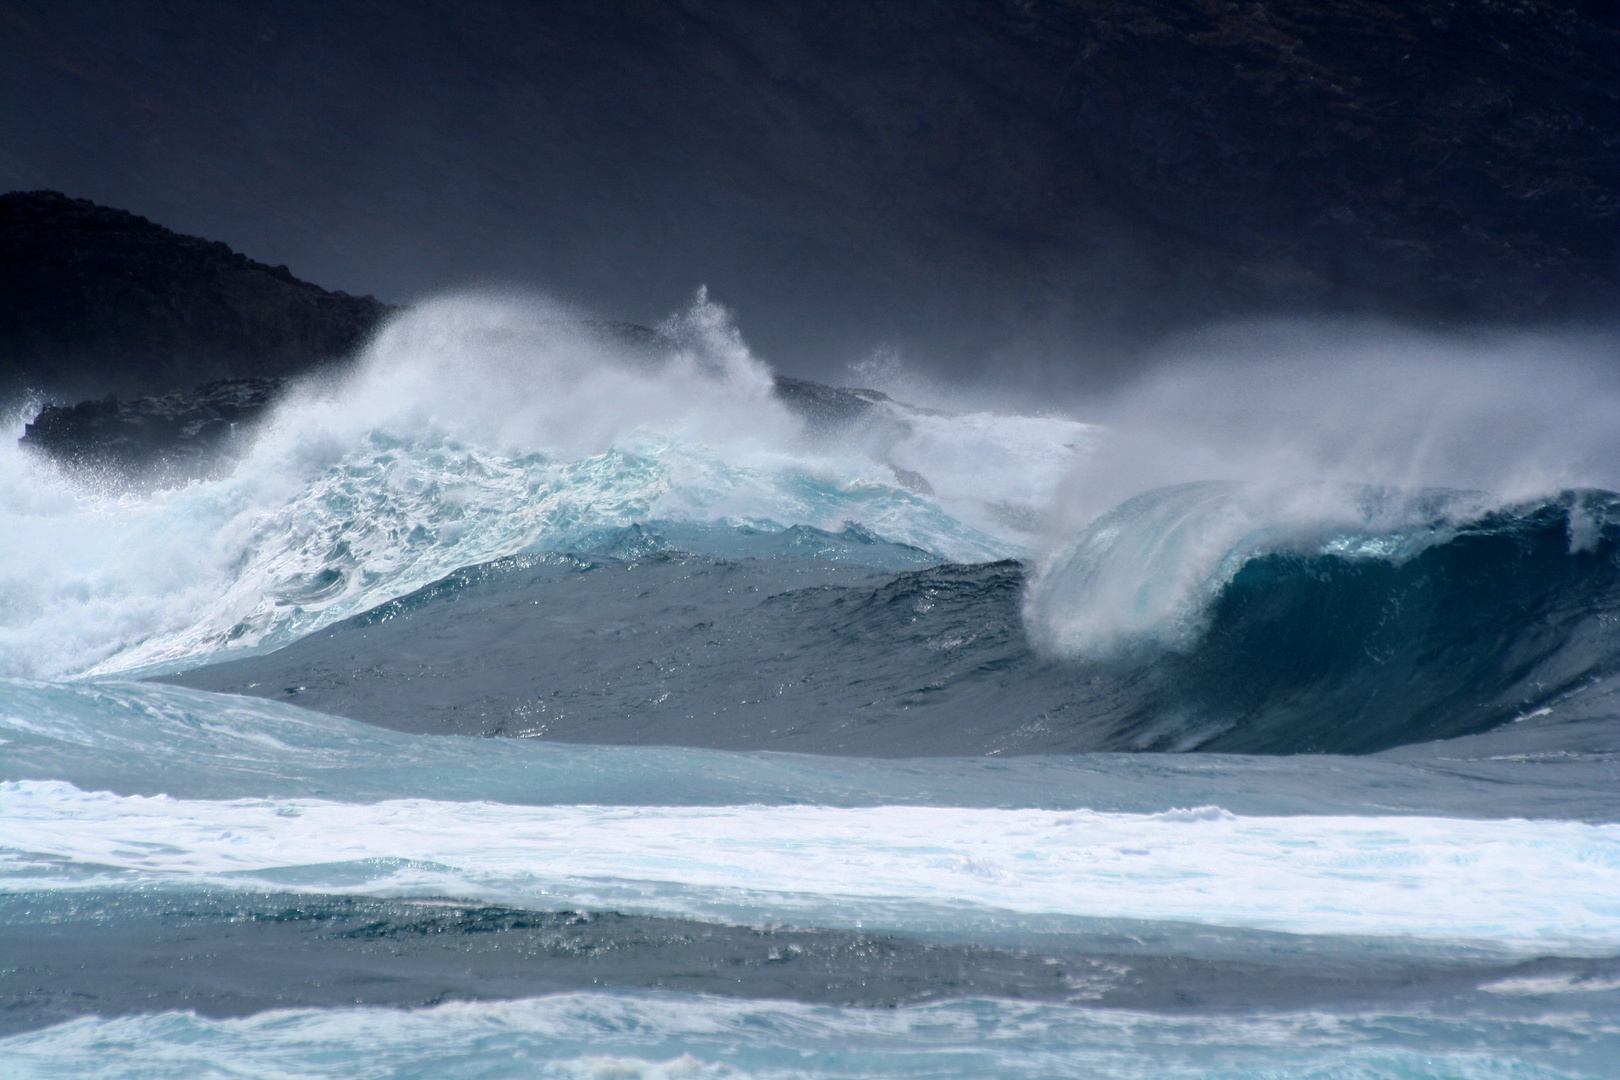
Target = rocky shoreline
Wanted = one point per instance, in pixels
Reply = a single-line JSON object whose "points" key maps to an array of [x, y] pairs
{"points": [[166, 438]]}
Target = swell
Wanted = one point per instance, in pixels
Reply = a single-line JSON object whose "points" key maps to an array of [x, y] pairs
{"points": [[147, 739], [230, 954], [1339, 648], [673, 1036], [673, 648]]}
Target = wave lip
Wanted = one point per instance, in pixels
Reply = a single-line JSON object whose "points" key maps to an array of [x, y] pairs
{"points": [[1149, 571]]}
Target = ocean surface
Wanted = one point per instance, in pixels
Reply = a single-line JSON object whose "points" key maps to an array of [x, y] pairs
{"points": [[524, 704]]}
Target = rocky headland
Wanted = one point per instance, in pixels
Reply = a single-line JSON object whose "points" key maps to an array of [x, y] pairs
{"points": [[158, 439]]}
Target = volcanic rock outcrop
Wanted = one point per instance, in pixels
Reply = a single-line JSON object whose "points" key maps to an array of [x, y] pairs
{"points": [[164, 438]]}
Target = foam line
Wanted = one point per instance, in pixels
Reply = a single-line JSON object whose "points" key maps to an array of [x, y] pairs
{"points": [[1522, 885], [687, 1037]]}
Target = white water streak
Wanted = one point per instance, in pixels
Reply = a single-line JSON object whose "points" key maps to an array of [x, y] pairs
{"points": [[1523, 885], [687, 1037]]}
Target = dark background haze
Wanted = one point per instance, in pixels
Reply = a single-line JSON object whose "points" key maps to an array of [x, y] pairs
{"points": [[992, 188]]}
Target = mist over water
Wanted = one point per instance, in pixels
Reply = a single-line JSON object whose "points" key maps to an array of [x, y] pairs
{"points": [[1518, 416]]}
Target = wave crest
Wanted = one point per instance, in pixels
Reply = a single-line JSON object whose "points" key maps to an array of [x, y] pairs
{"points": [[1376, 619]]}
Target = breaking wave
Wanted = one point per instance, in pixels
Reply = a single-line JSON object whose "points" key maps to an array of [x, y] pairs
{"points": [[474, 428]]}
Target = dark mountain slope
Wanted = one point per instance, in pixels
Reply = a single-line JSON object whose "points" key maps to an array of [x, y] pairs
{"points": [[96, 301]]}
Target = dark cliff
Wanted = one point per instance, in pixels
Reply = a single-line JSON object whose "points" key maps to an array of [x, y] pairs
{"points": [[97, 301]]}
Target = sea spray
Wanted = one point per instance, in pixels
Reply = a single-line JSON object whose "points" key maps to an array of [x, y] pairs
{"points": [[471, 428]]}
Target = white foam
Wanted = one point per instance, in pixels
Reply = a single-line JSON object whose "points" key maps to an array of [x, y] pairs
{"points": [[585, 1036], [1542, 985], [1519, 884]]}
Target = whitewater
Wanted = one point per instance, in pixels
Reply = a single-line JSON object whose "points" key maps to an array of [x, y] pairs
{"points": [[534, 699]]}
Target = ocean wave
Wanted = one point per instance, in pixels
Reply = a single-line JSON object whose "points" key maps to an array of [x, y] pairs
{"points": [[1265, 618], [474, 428], [1334, 618], [1307, 640], [1148, 572]]}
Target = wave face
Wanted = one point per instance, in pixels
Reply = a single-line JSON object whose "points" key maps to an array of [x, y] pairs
{"points": [[836, 743]]}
